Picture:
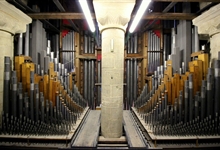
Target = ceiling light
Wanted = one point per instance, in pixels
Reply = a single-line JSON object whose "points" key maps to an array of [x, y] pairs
{"points": [[139, 14], [85, 8]]}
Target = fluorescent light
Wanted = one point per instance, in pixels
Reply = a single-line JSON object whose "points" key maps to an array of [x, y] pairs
{"points": [[85, 8], [139, 14]]}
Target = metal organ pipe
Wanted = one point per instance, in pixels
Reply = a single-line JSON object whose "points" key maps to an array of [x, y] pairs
{"points": [[27, 37]]}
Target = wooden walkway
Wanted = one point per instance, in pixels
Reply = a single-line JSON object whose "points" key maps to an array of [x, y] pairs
{"points": [[89, 133], [132, 134]]}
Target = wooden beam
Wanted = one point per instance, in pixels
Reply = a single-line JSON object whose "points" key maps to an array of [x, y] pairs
{"points": [[62, 15], [161, 16], [170, 16]]}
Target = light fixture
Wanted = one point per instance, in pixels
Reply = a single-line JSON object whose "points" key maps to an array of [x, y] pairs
{"points": [[139, 14], [85, 8]]}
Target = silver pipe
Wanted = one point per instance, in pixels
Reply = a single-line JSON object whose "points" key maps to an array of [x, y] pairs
{"points": [[173, 45], [135, 68], [217, 86], [85, 70], [57, 46], [51, 56], [154, 53], [151, 49], [20, 102], [164, 47], [131, 81], [99, 81], [92, 83], [42, 55], [196, 44], [89, 83], [55, 64], [67, 48], [36, 93], [20, 44], [186, 99], [148, 49], [46, 64], [71, 53], [158, 49], [7, 72], [27, 37], [48, 48], [14, 94], [32, 95], [191, 104]]}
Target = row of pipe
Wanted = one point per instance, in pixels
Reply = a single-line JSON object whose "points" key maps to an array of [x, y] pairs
{"points": [[190, 115], [153, 51], [31, 111], [131, 71], [89, 71], [68, 51]]}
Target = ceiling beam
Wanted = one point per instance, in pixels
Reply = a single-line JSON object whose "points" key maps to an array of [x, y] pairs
{"points": [[51, 15], [170, 16], [186, 1], [170, 6], [160, 16]]}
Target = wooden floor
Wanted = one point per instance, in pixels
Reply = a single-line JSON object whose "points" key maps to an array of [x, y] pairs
{"points": [[89, 133], [88, 136], [131, 131]]}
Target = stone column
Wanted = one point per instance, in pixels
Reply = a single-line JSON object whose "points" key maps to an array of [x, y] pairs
{"points": [[12, 21], [112, 16], [209, 23]]}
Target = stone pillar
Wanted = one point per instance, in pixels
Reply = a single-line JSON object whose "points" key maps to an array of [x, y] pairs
{"points": [[209, 23], [112, 17], [12, 21]]}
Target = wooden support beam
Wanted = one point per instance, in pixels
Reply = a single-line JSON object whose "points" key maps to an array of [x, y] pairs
{"points": [[161, 16], [170, 16], [77, 60], [87, 56], [144, 54]]}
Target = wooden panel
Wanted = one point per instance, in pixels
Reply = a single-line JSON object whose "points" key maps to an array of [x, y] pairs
{"points": [[173, 81], [200, 72], [18, 62], [26, 69], [50, 91], [55, 92], [177, 77], [144, 61], [205, 60]]}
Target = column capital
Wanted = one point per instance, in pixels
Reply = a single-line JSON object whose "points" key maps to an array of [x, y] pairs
{"points": [[13, 20], [113, 13], [209, 21]]}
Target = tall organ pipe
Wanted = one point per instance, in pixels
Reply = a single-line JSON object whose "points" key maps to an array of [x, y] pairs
{"points": [[7, 69], [27, 36], [135, 67], [20, 44], [85, 69]]}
